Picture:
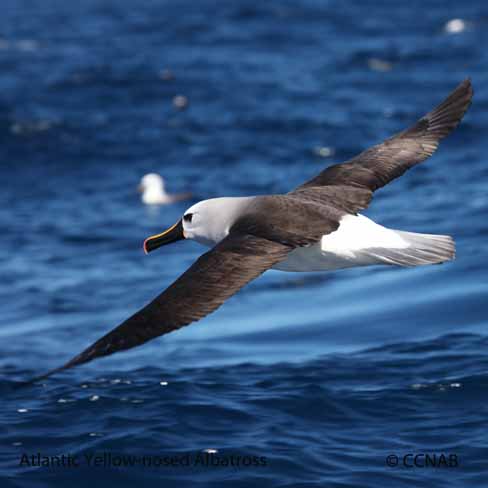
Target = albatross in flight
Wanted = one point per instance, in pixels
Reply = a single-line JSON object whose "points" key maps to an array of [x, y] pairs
{"points": [[315, 227]]}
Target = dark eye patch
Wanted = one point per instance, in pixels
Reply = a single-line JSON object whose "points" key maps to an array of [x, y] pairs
{"points": [[187, 217]]}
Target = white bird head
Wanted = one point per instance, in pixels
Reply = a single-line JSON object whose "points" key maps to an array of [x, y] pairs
{"points": [[206, 222]]}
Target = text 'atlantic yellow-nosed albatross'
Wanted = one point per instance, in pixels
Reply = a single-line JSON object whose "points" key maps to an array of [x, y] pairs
{"points": [[315, 227]]}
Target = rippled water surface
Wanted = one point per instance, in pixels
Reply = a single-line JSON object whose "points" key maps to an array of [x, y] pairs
{"points": [[319, 376]]}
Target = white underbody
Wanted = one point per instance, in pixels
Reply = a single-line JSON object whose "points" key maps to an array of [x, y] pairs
{"points": [[346, 247], [358, 241]]}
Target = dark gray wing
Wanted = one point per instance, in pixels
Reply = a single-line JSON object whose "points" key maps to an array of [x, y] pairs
{"points": [[380, 164], [204, 287]]}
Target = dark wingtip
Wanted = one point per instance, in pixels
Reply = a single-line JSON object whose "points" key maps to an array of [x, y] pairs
{"points": [[467, 86], [37, 379], [444, 118], [464, 90]]}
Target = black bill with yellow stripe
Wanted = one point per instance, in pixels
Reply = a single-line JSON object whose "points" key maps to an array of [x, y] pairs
{"points": [[173, 234]]}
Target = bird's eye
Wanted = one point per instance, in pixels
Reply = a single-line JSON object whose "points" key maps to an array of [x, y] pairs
{"points": [[187, 217]]}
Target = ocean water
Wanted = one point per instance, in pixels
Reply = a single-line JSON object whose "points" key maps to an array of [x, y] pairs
{"points": [[299, 380]]}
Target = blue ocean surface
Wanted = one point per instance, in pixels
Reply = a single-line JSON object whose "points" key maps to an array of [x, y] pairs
{"points": [[300, 380]]}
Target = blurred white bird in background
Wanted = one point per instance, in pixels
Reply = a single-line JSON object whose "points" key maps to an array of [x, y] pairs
{"points": [[152, 187]]}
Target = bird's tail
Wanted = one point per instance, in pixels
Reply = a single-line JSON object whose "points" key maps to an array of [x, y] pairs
{"points": [[421, 249]]}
